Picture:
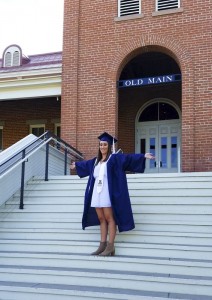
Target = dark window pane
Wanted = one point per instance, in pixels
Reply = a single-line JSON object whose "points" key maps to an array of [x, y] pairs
{"points": [[58, 131], [143, 146], [152, 142], [167, 112], [38, 131], [150, 113]]}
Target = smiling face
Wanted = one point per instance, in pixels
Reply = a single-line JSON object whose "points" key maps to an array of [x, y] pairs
{"points": [[104, 147]]}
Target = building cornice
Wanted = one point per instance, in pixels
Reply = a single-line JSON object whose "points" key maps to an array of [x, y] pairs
{"points": [[30, 83]]}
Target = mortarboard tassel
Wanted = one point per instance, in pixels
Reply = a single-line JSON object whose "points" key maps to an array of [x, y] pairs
{"points": [[114, 151]]}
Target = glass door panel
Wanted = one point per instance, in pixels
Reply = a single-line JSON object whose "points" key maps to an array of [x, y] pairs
{"points": [[152, 148], [174, 156], [162, 139], [163, 152]]}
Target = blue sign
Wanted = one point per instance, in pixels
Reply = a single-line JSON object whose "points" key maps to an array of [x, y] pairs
{"points": [[149, 80]]}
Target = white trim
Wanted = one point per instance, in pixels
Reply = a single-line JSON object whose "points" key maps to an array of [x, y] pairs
{"points": [[56, 70], [31, 87], [56, 125], [1, 128], [12, 50]]}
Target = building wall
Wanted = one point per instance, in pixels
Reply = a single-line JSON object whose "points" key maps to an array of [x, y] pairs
{"points": [[97, 47], [17, 116]]}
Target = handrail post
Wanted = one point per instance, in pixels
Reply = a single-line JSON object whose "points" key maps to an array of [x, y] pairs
{"points": [[47, 163], [65, 167], [21, 206]]}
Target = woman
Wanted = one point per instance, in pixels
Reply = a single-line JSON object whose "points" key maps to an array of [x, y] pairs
{"points": [[107, 201]]}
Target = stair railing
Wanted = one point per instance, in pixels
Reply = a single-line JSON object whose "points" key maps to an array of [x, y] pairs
{"points": [[53, 146]]}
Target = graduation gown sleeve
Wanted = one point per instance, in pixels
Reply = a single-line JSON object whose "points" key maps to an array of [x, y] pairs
{"points": [[86, 168]]}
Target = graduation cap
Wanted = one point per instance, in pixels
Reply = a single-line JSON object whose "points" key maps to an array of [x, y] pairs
{"points": [[106, 137]]}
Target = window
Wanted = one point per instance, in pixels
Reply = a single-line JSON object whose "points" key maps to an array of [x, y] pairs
{"points": [[16, 58], [37, 129], [12, 56], [167, 4], [57, 128], [8, 59], [158, 111], [1, 138], [129, 7]]}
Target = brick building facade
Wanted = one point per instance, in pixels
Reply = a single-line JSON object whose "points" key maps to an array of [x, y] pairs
{"points": [[104, 42]]}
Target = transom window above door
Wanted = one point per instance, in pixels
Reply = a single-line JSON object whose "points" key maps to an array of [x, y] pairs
{"points": [[158, 111]]}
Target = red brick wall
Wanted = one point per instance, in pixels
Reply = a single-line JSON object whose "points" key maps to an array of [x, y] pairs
{"points": [[15, 115], [96, 48]]}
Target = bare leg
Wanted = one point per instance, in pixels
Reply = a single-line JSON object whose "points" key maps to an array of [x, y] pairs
{"points": [[103, 224], [108, 214]]}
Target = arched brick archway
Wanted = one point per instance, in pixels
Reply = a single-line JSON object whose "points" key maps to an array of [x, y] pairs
{"points": [[180, 54]]}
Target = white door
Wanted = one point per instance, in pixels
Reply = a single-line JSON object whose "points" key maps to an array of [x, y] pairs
{"points": [[162, 138]]}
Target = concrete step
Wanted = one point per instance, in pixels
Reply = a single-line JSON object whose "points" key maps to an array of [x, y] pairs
{"points": [[163, 177], [133, 184], [100, 279], [157, 265], [92, 234], [140, 192], [22, 291], [194, 209], [44, 252], [145, 225], [174, 251], [158, 200], [13, 213]]}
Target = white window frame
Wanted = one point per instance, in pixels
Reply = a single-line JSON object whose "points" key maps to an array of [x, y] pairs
{"points": [[56, 125], [1, 128], [125, 15], [12, 56], [36, 126], [166, 9]]}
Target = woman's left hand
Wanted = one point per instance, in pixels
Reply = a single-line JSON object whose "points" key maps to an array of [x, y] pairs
{"points": [[73, 165], [149, 156]]}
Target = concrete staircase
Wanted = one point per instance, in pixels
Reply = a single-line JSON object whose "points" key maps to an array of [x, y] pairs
{"points": [[44, 253]]}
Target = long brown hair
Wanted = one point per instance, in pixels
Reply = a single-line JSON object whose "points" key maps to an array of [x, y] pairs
{"points": [[99, 155]]}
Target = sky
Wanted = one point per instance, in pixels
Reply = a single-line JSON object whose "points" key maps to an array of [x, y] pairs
{"points": [[34, 25]]}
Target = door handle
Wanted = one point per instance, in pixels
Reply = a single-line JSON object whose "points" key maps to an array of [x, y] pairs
{"points": [[161, 164]]}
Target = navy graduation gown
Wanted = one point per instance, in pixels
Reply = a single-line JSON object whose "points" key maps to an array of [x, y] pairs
{"points": [[117, 165]]}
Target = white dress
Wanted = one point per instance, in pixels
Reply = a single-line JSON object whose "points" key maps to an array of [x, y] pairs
{"points": [[101, 199]]}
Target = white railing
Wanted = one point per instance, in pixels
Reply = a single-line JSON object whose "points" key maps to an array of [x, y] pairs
{"points": [[32, 156]]}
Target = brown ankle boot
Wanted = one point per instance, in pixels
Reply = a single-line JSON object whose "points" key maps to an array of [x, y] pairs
{"points": [[101, 248], [109, 251]]}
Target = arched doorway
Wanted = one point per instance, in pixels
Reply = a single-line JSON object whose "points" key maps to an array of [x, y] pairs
{"points": [[158, 130], [149, 100]]}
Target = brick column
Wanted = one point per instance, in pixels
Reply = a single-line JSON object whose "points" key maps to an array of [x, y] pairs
{"points": [[70, 72]]}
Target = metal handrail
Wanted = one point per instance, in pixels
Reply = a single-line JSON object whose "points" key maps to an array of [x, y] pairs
{"points": [[44, 139]]}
